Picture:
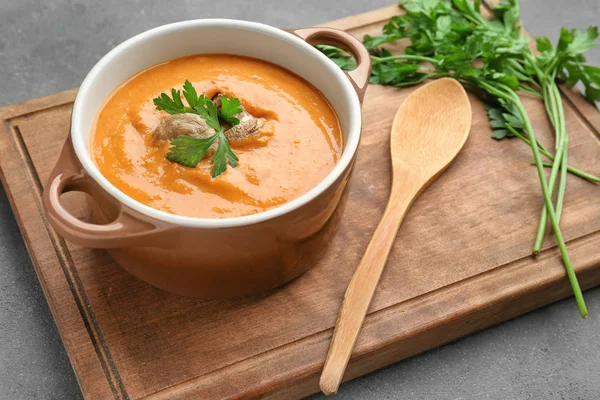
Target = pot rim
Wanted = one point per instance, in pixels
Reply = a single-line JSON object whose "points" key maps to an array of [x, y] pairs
{"points": [[351, 141]]}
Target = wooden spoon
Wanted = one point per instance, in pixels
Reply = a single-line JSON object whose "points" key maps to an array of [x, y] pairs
{"points": [[428, 131]]}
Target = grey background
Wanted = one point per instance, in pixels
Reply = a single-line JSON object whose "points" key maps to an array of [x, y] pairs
{"points": [[49, 46]]}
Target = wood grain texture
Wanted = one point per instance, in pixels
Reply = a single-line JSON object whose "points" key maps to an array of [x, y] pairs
{"points": [[462, 264]]}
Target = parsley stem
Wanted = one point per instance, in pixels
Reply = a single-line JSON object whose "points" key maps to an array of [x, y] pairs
{"points": [[531, 92], [572, 170], [565, 148], [552, 112], [548, 201], [577, 172], [502, 91], [539, 238], [521, 73], [560, 197], [420, 79], [378, 60], [555, 112], [533, 64]]}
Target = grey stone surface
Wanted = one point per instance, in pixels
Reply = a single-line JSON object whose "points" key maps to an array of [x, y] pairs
{"points": [[48, 46]]}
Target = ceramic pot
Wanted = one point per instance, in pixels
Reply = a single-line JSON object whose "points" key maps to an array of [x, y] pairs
{"points": [[209, 258]]}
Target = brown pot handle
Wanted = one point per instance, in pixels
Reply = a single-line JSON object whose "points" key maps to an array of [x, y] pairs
{"points": [[335, 37], [128, 229]]}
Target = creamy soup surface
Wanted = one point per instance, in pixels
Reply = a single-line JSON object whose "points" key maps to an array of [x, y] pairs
{"points": [[302, 144]]}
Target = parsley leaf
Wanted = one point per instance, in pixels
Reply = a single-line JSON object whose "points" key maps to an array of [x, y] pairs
{"points": [[188, 151], [505, 121], [229, 108], [567, 62], [397, 74], [170, 105], [189, 92], [223, 156], [340, 57], [373, 42], [207, 109]]}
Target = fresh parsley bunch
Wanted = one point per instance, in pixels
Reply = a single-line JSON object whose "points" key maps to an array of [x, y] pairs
{"points": [[491, 57], [188, 150]]}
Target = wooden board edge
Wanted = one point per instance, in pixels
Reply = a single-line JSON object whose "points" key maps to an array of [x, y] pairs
{"points": [[587, 113], [451, 305], [35, 105], [70, 338]]}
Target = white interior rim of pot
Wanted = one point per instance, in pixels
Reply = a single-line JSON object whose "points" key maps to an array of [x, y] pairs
{"points": [[351, 143]]}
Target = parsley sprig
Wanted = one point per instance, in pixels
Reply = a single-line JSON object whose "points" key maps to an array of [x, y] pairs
{"points": [[188, 150], [492, 58]]}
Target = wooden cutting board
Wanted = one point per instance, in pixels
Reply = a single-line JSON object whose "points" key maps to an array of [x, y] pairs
{"points": [[461, 263]]}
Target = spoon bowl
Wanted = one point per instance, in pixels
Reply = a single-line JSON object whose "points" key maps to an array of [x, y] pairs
{"points": [[430, 128]]}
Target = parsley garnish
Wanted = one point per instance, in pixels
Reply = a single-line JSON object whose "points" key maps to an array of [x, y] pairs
{"points": [[229, 108], [171, 105], [338, 56], [187, 150]]}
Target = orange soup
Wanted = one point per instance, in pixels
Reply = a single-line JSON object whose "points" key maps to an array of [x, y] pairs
{"points": [[299, 145]]}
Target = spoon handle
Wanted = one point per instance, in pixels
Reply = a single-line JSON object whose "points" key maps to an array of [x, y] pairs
{"points": [[363, 284]]}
